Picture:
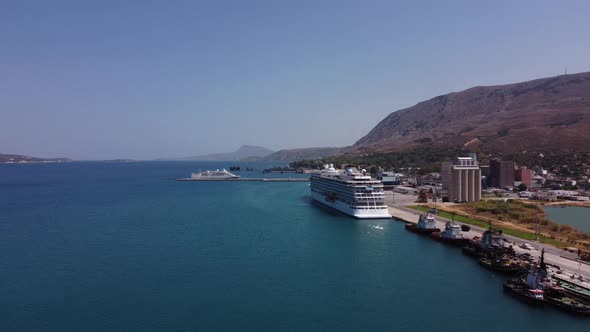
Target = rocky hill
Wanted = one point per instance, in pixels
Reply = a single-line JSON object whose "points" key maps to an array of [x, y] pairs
{"points": [[299, 154], [245, 151], [545, 115]]}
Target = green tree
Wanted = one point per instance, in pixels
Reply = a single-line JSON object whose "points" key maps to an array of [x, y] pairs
{"points": [[522, 187]]}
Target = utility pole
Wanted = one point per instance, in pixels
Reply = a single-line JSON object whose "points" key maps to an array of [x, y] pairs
{"points": [[537, 223], [435, 200]]}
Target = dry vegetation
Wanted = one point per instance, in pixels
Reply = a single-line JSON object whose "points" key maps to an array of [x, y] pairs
{"points": [[523, 216]]}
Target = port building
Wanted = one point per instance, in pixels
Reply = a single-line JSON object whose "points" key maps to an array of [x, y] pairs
{"points": [[523, 175], [501, 173], [461, 179]]}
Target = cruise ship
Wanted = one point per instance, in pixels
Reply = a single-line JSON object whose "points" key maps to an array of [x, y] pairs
{"points": [[213, 175], [349, 191]]}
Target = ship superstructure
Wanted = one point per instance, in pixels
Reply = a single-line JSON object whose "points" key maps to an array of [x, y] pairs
{"points": [[213, 175], [350, 191]]}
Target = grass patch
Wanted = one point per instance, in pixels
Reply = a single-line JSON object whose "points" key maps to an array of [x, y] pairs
{"points": [[480, 223], [448, 215]]}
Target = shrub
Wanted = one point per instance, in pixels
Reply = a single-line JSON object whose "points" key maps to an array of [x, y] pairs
{"points": [[566, 228]]}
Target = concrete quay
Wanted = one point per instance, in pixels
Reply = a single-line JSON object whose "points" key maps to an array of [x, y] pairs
{"points": [[248, 179], [565, 260]]}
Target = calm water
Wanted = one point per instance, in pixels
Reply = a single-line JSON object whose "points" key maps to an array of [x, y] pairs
{"points": [[578, 217], [106, 246]]}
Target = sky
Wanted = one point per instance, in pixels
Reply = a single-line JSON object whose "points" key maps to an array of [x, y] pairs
{"points": [[149, 79]]}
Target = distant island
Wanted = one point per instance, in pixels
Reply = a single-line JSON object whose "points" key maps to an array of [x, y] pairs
{"points": [[20, 159]]}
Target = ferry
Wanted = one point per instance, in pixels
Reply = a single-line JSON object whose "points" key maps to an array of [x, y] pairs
{"points": [[349, 191], [213, 175]]}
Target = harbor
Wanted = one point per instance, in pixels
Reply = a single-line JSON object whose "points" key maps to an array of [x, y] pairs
{"points": [[561, 280], [197, 247], [552, 255], [564, 281]]}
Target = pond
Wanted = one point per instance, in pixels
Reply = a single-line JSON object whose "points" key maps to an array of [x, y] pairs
{"points": [[578, 217]]}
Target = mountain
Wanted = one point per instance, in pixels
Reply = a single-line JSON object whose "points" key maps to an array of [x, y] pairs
{"points": [[17, 158], [299, 154], [544, 115], [245, 151]]}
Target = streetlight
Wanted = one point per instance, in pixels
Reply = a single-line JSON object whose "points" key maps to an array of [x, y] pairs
{"points": [[537, 222]]}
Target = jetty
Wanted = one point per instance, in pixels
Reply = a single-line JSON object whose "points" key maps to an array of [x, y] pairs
{"points": [[247, 179]]}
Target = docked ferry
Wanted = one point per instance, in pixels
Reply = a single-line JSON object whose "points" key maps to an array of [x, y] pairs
{"points": [[213, 175], [350, 191]]}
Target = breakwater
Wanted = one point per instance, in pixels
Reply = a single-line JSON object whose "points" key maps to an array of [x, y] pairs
{"points": [[249, 179]]}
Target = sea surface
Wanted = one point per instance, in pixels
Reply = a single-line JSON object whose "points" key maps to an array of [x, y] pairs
{"points": [[578, 217], [123, 247]]}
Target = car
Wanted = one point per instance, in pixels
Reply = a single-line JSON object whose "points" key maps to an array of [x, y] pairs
{"points": [[526, 246]]}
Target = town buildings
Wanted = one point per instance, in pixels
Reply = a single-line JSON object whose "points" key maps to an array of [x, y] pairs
{"points": [[524, 175], [501, 173]]}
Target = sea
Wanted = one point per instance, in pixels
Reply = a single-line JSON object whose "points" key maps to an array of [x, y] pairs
{"points": [[104, 246], [576, 216]]}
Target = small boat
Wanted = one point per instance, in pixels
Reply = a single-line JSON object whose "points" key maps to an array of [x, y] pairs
{"points": [[569, 304], [451, 235], [537, 277], [520, 289], [573, 289], [490, 244], [426, 224], [471, 250], [503, 264]]}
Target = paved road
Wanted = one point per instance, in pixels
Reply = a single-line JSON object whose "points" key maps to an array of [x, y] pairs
{"points": [[553, 255]]}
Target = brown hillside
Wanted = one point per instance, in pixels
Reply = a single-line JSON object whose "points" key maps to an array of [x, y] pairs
{"points": [[549, 114]]}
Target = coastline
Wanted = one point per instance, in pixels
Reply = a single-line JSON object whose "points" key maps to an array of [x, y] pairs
{"points": [[585, 204], [553, 255]]}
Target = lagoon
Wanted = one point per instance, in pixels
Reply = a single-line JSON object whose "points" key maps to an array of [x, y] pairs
{"points": [[578, 217]]}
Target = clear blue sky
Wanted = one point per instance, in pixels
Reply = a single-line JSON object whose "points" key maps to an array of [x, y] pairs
{"points": [[147, 79]]}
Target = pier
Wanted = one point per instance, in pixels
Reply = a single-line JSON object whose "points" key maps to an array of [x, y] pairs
{"points": [[568, 262], [248, 179]]}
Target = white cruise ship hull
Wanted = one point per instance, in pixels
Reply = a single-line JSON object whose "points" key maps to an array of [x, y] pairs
{"points": [[360, 213]]}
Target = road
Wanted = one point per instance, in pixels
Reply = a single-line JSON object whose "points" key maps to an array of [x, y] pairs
{"points": [[398, 208]]}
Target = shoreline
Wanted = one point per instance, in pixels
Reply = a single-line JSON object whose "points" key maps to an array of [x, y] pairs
{"points": [[585, 204], [553, 254]]}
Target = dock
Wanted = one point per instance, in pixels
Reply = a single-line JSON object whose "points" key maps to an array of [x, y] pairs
{"points": [[249, 179], [570, 265]]}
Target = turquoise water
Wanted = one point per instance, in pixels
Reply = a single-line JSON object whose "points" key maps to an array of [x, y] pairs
{"points": [[578, 217], [123, 247]]}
